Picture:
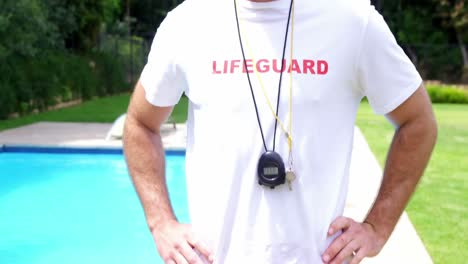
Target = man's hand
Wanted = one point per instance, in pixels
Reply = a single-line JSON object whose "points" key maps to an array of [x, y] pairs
{"points": [[358, 240], [177, 245], [411, 148]]}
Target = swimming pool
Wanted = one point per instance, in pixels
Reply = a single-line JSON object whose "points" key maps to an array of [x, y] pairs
{"points": [[77, 207]]}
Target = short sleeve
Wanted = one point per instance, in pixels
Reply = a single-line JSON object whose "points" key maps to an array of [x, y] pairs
{"points": [[162, 77], [386, 75]]}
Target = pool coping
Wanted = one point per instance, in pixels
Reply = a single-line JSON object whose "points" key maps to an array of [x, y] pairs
{"points": [[19, 148], [81, 135]]}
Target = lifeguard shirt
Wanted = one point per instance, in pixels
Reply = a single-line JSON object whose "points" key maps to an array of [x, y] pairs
{"points": [[342, 51]]}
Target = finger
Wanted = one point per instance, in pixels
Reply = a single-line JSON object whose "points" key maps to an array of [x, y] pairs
{"points": [[170, 261], [346, 253], [189, 254], [358, 257], [179, 259], [340, 223], [336, 246], [202, 248]]}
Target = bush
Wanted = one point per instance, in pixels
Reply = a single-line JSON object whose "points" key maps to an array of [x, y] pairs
{"points": [[444, 94], [131, 51], [81, 78], [110, 72], [447, 94], [49, 78], [7, 100]]}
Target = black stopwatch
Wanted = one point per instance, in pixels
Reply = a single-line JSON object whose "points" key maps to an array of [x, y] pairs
{"points": [[271, 170]]}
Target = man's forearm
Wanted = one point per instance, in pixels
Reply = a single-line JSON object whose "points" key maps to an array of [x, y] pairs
{"points": [[407, 158], [146, 163]]}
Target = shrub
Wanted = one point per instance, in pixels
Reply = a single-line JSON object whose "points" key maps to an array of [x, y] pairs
{"points": [[132, 52], [7, 100], [81, 78], [43, 82], [110, 72], [447, 94], [46, 79]]}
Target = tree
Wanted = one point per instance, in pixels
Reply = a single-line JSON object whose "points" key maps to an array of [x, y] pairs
{"points": [[423, 29], [455, 16], [25, 29], [149, 14], [81, 21]]}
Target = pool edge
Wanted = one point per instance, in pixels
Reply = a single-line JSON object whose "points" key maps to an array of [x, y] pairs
{"points": [[12, 148]]}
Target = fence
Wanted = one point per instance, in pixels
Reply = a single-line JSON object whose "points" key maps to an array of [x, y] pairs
{"points": [[132, 51]]}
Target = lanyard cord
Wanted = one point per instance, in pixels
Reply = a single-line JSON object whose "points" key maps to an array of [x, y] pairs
{"points": [[290, 159], [279, 83]]}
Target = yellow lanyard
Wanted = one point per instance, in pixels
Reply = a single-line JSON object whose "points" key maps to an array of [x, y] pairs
{"points": [[288, 133]]}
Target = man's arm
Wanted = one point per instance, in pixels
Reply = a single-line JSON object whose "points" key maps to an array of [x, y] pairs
{"points": [[409, 153], [145, 157], [146, 164]]}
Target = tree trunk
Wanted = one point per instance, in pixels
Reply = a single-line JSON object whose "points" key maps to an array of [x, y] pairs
{"points": [[464, 52]]}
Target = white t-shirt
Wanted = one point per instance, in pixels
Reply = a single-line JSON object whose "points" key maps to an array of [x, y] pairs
{"points": [[343, 50]]}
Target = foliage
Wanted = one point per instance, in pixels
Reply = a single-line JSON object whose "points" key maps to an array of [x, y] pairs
{"points": [[56, 77], [48, 55], [444, 94], [415, 26], [111, 77], [63, 16], [36, 25], [455, 15], [149, 14], [89, 16], [438, 62], [131, 51], [26, 24], [434, 34], [447, 94], [8, 96]]}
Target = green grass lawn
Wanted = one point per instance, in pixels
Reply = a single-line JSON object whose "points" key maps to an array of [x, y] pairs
{"points": [[104, 110], [439, 208]]}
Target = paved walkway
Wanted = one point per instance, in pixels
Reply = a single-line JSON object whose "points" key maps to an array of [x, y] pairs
{"points": [[403, 247], [81, 135]]}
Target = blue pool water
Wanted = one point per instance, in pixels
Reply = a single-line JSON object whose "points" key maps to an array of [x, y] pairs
{"points": [[77, 208]]}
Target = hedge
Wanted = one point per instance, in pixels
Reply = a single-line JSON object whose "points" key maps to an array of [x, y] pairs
{"points": [[447, 94], [35, 84]]}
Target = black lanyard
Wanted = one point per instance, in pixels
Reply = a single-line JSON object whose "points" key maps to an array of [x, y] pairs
{"points": [[280, 78]]}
